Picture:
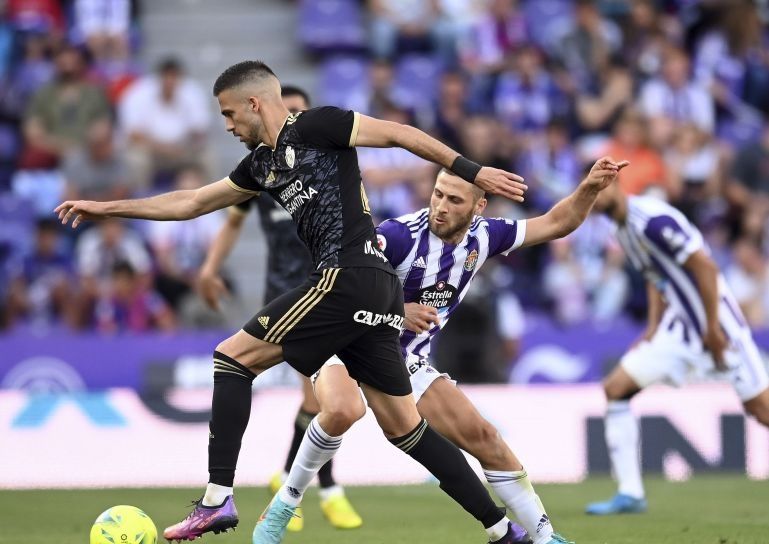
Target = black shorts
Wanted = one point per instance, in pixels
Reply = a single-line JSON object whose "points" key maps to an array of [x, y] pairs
{"points": [[355, 313]]}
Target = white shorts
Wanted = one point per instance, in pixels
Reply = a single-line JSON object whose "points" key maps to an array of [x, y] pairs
{"points": [[672, 358], [421, 373]]}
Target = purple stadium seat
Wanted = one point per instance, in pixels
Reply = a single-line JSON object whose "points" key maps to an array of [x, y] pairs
{"points": [[547, 19], [331, 25], [416, 80], [344, 82], [18, 222]]}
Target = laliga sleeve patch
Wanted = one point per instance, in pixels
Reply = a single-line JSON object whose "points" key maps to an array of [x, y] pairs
{"points": [[382, 242]]}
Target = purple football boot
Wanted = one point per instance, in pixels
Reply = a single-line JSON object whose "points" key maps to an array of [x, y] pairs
{"points": [[515, 535], [204, 519]]}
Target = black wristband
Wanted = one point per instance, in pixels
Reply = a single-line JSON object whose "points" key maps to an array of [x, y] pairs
{"points": [[465, 168]]}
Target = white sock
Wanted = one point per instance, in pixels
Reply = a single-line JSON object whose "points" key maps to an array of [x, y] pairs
{"points": [[327, 492], [516, 491], [622, 439], [498, 530], [216, 494], [316, 449]]}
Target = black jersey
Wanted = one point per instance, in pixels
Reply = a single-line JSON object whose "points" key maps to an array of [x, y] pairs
{"points": [[288, 261], [313, 173]]}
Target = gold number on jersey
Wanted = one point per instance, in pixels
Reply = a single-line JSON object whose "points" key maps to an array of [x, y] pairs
{"points": [[364, 200]]}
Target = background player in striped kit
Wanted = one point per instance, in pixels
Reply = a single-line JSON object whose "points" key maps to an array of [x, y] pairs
{"points": [[436, 252], [288, 265], [695, 331]]}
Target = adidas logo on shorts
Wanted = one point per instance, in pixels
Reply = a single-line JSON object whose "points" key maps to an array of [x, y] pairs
{"points": [[263, 321]]}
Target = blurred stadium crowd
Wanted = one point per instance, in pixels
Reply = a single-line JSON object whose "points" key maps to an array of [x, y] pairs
{"points": [[540, 87]]}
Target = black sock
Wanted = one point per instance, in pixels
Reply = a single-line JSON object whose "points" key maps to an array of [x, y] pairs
{"points": [[230, 410], [444, 460], [302, 421]]}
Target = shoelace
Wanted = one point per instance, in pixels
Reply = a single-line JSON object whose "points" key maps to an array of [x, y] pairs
{"points": [[194, 504], [276, 521]]}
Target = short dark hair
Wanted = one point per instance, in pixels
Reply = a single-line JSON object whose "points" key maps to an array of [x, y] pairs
{"points": [[169, 65], [291, 90], [239, 73]]}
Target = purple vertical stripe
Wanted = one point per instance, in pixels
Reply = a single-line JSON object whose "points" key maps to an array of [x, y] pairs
{"points": [[472, 244], [413, 283], [447, 262], [680, 294], [415, 274], [735, 312]]}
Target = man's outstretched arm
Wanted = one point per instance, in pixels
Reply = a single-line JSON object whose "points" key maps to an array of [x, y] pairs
{"points": [[571, 212], [173, 206], [377, 133]]}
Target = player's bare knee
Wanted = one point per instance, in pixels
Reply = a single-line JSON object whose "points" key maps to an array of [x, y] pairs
{"points": [[338, 417], [613, 390]]}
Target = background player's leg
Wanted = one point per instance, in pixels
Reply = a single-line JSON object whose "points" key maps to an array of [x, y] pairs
{"points": [[340, 406], [404, 427], [307, 410], [451, 413], [758, 407], [622, 440]]}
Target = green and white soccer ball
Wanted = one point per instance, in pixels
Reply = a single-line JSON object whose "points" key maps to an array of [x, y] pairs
{"points": [[123, 525]]}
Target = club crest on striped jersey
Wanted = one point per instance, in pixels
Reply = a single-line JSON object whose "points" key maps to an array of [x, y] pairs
{"points": [[381, 242], [471, 260]]}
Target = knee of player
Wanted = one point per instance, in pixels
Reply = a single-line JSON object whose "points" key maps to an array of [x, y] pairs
{"points": [[342, 416], [482, 435], [613, 390], [760, 412]]}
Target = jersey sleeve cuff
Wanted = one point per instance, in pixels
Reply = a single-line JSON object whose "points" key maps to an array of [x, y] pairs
{"points": [[239, 188], [355, 127], [520, 236]]}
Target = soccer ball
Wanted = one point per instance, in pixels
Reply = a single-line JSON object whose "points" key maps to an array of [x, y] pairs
{"points": [[123, 525]]}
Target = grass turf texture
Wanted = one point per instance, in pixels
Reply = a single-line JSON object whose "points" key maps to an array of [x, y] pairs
{"points": [[705, 510]]}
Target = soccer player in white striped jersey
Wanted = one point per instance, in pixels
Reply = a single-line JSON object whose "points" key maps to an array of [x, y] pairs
{"points": [[695, 329], [436, 252]]}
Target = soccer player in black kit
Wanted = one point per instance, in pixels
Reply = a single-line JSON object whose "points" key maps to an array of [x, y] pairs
{"points": [[307, 163], [288, 265]]}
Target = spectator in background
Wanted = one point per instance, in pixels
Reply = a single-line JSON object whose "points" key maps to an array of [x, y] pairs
{"points": [[165, 117], [488, 46], [97, 252], [598, 111], [645, 40], [96, 171], [550, 166], [449, 113], [610, 292], [749, 184], [675, 99], [40, 291], [564, 285], [61, 112], [34, 70], [403, 26], [732, 62], [381, 96], [37, 15], [526, 97], [104, 26], [748, 276], [631, 141], [180, 247], [693, 169], [485, 141], [588, 44], [127, 305]]}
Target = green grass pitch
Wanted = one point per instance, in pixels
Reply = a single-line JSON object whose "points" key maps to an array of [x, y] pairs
{"points": [[705, 510]]}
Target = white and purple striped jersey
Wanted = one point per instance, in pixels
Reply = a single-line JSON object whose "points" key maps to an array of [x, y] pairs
{"points": [[438, 274], [658, 239]]}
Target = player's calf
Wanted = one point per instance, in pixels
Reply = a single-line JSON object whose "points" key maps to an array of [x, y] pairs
{"points": [[758, 407]]}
